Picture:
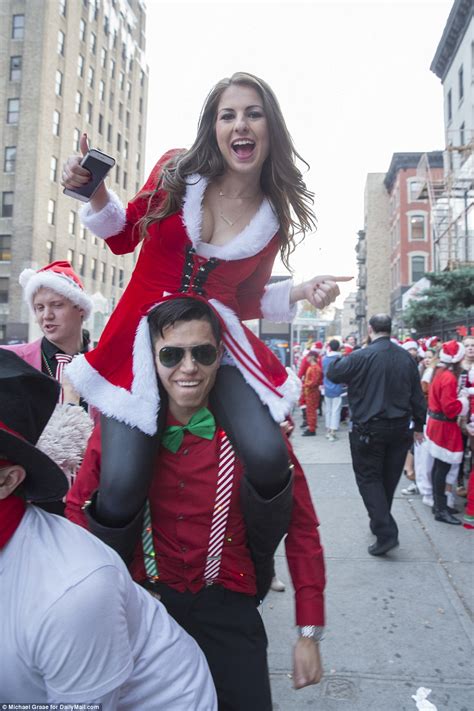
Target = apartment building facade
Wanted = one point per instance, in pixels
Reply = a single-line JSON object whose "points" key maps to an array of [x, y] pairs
{"points": [[67, 67]]}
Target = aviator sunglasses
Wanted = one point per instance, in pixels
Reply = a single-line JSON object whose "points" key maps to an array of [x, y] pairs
{"points": [[170, 356]]}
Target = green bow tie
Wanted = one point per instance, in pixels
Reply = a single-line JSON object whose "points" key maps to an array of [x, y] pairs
{"points": [[201, 424]]}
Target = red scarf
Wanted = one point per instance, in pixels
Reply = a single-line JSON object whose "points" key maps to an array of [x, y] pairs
{"points": [[11, 512]]}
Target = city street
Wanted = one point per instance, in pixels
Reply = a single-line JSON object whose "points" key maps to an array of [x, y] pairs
{"points": [[395, 623]]}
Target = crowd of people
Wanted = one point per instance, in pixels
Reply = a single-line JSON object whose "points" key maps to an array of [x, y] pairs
{"points": [[440, 464]]}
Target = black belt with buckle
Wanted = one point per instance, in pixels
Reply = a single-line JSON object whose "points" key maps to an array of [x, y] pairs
{"points": [[441, 417]]}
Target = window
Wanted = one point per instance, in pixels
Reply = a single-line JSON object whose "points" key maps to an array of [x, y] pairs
{"points": [[72, 222], [76, 137], [417, 265], [51, 213], [101, 90], [81, 264], [114, 275], [120, 111], [125, 149], [82, 232], [137, 162], [4, 284], [121, 279], [139, 133], [129, 90], [100, 126], [461, 83], [93, 10], [58, 83], [103, 57], [9, 159], [82, 29], [70, 256], [109, 133], [61, 42], [7, 204], [5, 248], [140, 105], [117, 174], [78, 102], [127, 119], [111, 100], [13, 110], [93, 43], [449, 101], [142, 78], [94, 268], [417, 227], [18, 27], [414, 187], [15, 68], [53, 169], [112, 69], [121, 80], [89, 112], [49, 251], [462, 134], [124, 179], [63, 7], [119, 142], [80, 66], [56, 123], [90, 77], [102, 272]]}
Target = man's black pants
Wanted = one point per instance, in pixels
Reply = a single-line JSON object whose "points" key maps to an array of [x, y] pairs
{"points": [[378, 453], [228, 628]]}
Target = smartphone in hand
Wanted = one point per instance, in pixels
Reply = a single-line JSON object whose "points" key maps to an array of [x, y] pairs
{"points": [[98, 164]]}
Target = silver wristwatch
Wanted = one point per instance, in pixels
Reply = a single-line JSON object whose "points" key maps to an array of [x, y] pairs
{"points": [[313, 632]]}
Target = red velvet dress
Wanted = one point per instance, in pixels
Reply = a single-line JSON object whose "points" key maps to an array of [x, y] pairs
{"points": [[118, 377]]}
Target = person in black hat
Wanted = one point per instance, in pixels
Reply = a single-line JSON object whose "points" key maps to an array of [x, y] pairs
{"points": [[74, 627]]}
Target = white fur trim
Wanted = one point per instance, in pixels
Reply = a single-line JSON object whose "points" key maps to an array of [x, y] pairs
{"points": [[253, 238], [410, 345], [465, 406], [32, 281], [138, 408], [445, 358], [279, 407], [444, 454], [106, 222], [275, 303], [65, 437]]}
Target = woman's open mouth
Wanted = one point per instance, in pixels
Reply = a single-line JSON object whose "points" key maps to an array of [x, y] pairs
{"points": [[243, 148]]}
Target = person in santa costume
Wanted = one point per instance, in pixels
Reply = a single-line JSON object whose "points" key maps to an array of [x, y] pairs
{"points": [[59, 303], [443, 433], [74, 626], [312, 381], [210, 221]]}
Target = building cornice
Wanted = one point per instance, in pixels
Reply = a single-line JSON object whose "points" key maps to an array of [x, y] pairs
{"points": [[402, 161], [454, 31]]}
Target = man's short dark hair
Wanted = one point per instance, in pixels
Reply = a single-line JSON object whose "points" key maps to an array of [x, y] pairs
{"points": [[182, 309], [334, 344], [381, 323]]}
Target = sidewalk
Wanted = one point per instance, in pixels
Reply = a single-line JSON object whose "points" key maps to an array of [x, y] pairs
{"points": [[394, 623]]}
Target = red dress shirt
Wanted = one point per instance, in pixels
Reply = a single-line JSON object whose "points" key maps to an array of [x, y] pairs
{"points": [[182, 498]]}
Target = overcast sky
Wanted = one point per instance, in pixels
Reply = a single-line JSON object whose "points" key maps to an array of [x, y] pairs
{"points": [[352, 78]]}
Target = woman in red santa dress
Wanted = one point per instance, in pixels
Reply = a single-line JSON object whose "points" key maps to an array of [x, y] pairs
{"points": [[443, 433], [211, 221]]}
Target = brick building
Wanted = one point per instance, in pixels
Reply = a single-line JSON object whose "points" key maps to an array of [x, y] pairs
{"points": [[67, 66]]}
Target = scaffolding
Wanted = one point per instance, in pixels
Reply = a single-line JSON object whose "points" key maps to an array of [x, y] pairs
{"points": [[451, 201]]}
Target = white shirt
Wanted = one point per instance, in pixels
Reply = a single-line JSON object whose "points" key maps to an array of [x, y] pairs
{"points": [[75, 628]]}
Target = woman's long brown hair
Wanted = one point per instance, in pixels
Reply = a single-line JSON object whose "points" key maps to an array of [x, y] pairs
{"points": [[281, 180]]}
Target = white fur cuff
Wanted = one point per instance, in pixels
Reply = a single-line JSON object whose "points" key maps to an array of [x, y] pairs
{"points": [[107, 222], [275, 304]]}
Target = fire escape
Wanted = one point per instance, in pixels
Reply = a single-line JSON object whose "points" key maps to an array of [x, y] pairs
{"points": [[451, 203]]}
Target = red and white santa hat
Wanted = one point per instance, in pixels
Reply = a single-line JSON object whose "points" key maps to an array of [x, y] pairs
{"points": [[432, 342], [451, 352], [409, 344], [60, 277]]}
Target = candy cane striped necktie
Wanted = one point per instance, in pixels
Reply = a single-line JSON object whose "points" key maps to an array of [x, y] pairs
{"points": [[63, 359]]}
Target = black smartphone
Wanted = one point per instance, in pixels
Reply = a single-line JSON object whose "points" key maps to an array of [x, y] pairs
{"points": [[98, 164]]}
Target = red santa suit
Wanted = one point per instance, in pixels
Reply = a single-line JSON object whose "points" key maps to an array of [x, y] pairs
{"points": [[118, 377], [444, 435]]}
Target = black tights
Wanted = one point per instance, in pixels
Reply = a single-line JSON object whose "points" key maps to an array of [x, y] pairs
{"points": [[128, 455], [438, 474]]}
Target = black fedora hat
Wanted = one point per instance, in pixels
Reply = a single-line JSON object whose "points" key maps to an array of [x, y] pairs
{"points": [[27, 401]]}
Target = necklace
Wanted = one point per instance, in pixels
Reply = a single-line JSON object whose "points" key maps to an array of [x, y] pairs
{"points": [[226, 219]]}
